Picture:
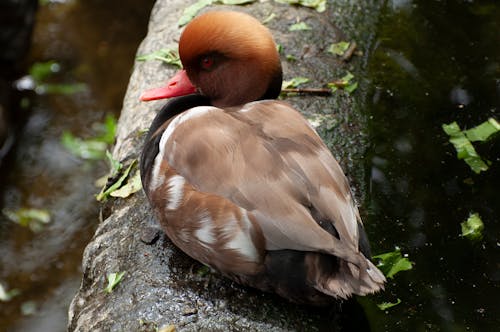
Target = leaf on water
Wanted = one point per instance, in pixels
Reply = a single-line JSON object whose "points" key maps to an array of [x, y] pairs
{"points": [[483, 131], [113, 280], [106, 191], [167, 55], [339, 48], [60, 89], [473, 227], [464, 147], [386, 305], [299, 26], [294, 82], [132, 186], [41, 70], [85, 149], [35, 219], [107, 130], [319, 5], [392, 262], [93, 148], [7, 295]]}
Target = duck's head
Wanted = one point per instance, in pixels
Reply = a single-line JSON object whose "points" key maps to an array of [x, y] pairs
{"points": [[229, 57]]}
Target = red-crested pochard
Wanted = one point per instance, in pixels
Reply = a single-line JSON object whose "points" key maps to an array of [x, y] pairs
{"points": [[241, 182]]}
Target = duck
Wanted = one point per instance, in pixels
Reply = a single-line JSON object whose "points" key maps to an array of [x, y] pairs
{"points": [[241, 182]]}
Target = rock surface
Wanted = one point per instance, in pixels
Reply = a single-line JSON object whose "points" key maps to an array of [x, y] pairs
{"points": [[162, 286]]}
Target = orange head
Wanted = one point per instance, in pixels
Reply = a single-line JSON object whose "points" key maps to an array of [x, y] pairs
{"points": [[230, 57]]}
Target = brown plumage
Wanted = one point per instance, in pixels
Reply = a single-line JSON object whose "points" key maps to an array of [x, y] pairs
{"points": [[243, 183]]}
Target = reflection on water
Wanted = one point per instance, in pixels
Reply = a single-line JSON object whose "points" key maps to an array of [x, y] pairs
{"points": [[435, 62], [94, 43]]}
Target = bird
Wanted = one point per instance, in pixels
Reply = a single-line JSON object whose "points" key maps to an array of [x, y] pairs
{"points": [[241, 182]]}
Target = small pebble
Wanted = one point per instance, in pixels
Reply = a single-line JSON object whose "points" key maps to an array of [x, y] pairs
{"points": [[150, 235]]}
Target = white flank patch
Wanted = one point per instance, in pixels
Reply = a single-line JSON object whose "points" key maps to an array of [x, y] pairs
{"points": [[175, 191], [157, 178], [242, 243], [205, 233], [240, 238]]}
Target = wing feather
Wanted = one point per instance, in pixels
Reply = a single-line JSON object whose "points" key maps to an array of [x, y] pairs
{"points": [[267, 159]]}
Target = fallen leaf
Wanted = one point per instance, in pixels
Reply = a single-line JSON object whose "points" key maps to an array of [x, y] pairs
{"points": [[113, 280], [392, 262], [132, 186], [473, 227]]}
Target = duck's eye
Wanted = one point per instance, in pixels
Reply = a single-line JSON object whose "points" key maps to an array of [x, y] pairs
{"points": [[207, 62]]}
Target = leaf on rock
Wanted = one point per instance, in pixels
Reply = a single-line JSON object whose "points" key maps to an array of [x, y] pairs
{"points": [[301, 26], [132, 186], [294, 82], [113, 280], [167, 55], [319, 5], [339, 48]]}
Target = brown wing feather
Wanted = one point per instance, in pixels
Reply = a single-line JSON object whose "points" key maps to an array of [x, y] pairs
{"points": [[267, 159]]}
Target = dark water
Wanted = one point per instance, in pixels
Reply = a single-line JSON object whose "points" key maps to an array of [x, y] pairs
{"points": [[94, 43], [435, 62]]}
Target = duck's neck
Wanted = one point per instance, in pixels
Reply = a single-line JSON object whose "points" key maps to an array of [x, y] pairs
{"points": [[274, 88]]}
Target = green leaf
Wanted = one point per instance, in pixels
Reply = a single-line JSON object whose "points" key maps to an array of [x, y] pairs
{"points": [[60, 89], [85, 149], [294, 82], [392, 262], [113, 280], [190, 12], [169, 56], [473, 227], [234, 2], [339, 48], [7, 295], [132, 186], [299, 27], [115, 165], [92, 148], [464, 147], [39, 71], [319, 5], [345, 83], [351, 87], [387, 305], [35, 219], [269, 18], [107, 130], [106, 191], [483, 131]]}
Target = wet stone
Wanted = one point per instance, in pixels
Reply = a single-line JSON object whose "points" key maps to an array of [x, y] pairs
{"points": [[150, 235]]}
